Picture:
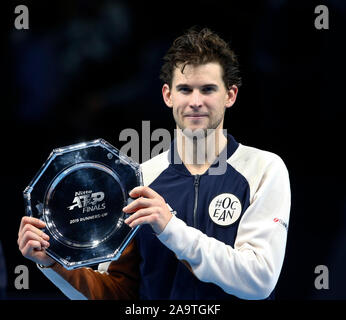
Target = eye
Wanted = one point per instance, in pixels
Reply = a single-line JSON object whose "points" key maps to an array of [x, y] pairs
{"points": [[208, 89], [184, 90]]}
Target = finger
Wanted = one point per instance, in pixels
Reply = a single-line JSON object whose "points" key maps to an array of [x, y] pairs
{"points": [[29, 236], [144, 192], [140, 214], [30, 247], [31, 220], [139, 204], [31, 228], [146, 219]]}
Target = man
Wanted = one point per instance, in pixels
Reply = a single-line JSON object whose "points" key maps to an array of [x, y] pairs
{"points": [[231, 202]]}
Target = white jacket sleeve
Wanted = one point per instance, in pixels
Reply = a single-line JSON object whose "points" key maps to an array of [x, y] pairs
{"points": [[251, 269]]}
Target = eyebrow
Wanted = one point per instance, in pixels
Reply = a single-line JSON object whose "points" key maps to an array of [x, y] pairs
{"points": [[184, 85]]}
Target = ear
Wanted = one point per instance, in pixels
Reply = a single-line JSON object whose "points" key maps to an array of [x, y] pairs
{"points": [[231, 96], [166, 94]]}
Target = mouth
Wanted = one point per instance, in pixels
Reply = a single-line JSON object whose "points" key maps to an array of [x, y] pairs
{"points": [[195, 115]]}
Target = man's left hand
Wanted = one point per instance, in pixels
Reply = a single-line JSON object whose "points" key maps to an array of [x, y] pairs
{"points": [[148, 208]]}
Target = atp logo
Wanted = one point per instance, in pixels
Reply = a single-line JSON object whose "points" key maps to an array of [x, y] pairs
{"points": [[225, 209], [88, 201]]}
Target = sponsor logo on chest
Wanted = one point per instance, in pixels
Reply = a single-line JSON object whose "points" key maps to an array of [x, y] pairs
{"points": [[225, 209]]}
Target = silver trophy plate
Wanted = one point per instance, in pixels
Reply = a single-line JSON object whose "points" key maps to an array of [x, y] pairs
{"points": [[79, 193]]}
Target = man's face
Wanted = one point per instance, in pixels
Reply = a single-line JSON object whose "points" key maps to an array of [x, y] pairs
{"points": [[199, 97]]}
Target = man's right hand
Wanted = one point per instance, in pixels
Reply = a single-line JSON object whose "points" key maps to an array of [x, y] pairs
{"points": [[32, 241]]}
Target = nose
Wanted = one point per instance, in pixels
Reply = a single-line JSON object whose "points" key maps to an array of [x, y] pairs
{"points": [[196, 99]]}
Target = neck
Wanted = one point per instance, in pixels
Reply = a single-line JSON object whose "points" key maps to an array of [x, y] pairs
{"points": [[198, 151]]}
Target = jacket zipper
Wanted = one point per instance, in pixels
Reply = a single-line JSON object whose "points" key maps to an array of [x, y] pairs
{"points": [[196, 185]]}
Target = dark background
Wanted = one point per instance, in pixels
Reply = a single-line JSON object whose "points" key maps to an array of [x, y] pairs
{"points": [[89, 69]]}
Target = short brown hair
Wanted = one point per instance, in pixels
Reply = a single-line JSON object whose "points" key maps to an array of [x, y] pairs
{"points": [[197, 48]]}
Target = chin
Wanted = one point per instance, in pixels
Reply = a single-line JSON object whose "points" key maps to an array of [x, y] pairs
{"points": [[195, 132]]}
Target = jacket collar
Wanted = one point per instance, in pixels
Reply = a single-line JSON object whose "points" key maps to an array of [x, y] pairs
{"points": [[177, 164]]}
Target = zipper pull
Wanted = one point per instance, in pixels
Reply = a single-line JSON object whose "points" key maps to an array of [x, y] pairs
{"points": [[196, 182]]}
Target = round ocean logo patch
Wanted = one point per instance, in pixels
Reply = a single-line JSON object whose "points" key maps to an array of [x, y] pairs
{"points": [[225, 209]]}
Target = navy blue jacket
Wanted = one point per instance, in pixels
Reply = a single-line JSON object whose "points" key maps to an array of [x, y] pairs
{"points": [[163, 275]]}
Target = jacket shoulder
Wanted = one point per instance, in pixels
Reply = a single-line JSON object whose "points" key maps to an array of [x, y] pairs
{"points": [[153, 167]]}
